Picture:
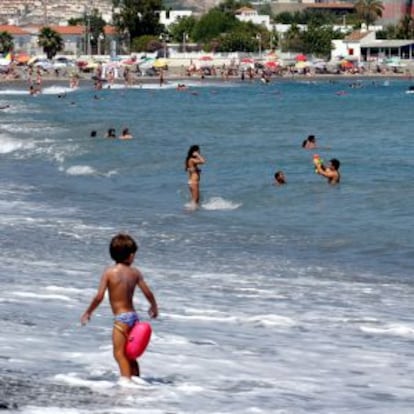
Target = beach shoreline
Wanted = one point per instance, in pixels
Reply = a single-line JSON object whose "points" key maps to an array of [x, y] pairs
{"points": [[49, 80]]}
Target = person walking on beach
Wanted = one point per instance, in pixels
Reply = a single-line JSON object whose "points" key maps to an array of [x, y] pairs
{"points": [[331, 172], [121, 280], [192, 162]]}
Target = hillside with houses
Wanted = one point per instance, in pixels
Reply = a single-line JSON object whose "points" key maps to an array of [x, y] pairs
{"points": [[23, 12]]}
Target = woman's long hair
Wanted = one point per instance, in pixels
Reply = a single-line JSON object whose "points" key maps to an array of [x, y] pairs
{"points": [[191, 151]]}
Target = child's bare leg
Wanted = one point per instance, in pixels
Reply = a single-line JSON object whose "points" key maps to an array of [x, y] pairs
{"points": [[134, 368], [118, 341]]}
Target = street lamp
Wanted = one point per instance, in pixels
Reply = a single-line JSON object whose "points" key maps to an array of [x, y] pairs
{"points": [[164, 38], [100, 38], [87, 31], [259, 39], [185, 37]]}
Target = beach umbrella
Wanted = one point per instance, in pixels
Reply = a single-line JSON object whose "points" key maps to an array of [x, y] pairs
{"points": [[160, 63], [346, 64], [302, 65], [300, 58], [146, 63], [271, 64], [247, 60], [22, 58], [128, 62]]}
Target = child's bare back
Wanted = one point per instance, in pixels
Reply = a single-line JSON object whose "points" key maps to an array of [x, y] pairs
{"points": [[121, 281]]}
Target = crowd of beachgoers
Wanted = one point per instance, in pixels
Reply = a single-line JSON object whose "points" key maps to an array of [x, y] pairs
{"points": [[133, 74]]}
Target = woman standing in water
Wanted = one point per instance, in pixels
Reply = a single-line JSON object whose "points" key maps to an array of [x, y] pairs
{"points": [[192, 162]]}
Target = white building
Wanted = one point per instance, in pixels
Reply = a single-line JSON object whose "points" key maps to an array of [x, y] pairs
{"points": [[246, 14], [362, 45], [173, 16]]}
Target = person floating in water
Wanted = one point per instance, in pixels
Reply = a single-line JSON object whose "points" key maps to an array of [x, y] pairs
{"points": [[309, 142], [331, 172], [280, 178], [125, 134], [111, 133], [192, 162], [120, 280]]}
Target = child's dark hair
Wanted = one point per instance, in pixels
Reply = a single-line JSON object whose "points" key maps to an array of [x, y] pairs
{"points": [[121, 247], [336, 163]]}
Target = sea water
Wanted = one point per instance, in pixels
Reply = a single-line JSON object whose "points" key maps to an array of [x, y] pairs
{"points": [[293, 299]]}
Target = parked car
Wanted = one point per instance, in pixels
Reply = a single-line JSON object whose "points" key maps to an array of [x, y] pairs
{"points": [[43, 64], [151, 72], [63, 62]]}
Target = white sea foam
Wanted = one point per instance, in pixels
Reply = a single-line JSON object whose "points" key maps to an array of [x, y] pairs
{"points": [[31, 295], [272, 320], [81, 170], [9, 145], [205, 318], [218, 203], [64, 289], [14, 92], [73, 380], [390, 329], [56, 90]]}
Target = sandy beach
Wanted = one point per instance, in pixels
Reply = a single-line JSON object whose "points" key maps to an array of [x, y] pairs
{"points": [[19, 77]]}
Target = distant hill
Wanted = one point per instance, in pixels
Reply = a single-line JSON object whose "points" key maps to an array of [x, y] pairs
{"points": [[199, 6], [22, 12]]}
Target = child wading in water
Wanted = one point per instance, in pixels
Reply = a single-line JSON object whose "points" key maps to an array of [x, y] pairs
{"points": [[121, 280]]}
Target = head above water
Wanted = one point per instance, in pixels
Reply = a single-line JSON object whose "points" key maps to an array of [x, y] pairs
{"points": [[193, 149], [280, 177], [335, 163], [121, 247]]}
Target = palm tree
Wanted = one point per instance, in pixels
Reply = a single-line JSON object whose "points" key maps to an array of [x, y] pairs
{"points": [[51, 42], [6, 42], [405, 28], [369, 10]]}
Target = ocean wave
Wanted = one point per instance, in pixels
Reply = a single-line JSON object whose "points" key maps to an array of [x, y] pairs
{"points": [[14, 92], [55, 90], [31, 295], [390, 329], [218, 203], [73, 380], [81, 170], [272, 320], [9, 145]]}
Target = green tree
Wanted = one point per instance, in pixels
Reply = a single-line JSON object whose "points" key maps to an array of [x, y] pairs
{"points": [[293, 39], [50, 41], [138, 17], [212, 24], [405, 28], [146, 43], [237, 41], [284, 18], [6, 42], [184, 26], [369, 11], [317, 40]]}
